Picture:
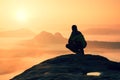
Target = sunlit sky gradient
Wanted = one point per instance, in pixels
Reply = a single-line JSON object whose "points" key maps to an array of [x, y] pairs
{"points": [[97, 19], [59, 15]]}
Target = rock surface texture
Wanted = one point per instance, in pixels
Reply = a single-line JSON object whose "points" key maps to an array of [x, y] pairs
{"points": [[73, 67]]}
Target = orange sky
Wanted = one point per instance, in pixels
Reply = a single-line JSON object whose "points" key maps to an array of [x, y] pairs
{"points": [[97, 19], [58, 16]]}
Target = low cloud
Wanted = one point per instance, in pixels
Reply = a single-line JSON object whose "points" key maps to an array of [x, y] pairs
{"points": [[9, 65], [102, 31], [102, 34], [21, 61]]}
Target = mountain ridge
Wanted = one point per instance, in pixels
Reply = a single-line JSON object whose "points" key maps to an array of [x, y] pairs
{"points": [[45, 38]]}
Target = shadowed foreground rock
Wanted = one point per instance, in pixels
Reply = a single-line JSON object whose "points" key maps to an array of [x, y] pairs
{"points": [[72, 67]]}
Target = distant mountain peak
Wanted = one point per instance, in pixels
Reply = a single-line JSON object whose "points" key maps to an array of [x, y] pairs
{"points": [[47, 37], [58, 34], [45, 33]]}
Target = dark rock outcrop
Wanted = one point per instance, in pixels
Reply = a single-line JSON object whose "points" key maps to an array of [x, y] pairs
{"points": [[73, 67]]}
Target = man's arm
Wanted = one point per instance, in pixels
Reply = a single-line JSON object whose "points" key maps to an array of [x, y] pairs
{"points": [[70, 38]]}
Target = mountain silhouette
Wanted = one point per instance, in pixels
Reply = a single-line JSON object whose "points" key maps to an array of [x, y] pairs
{"points": [[17, 33], [45, 38], [72, 67]]}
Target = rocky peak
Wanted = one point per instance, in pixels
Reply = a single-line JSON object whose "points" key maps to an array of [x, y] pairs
{"points": [[73, 67]]}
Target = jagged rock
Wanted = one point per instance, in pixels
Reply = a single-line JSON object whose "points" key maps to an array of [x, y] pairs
{"points": [[73, 67]]}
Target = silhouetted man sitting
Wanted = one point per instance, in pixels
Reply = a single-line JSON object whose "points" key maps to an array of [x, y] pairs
{"points": [[76, 42]]}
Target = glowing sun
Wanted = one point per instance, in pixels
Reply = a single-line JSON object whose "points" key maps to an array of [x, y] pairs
{"points": [[21, 15]]}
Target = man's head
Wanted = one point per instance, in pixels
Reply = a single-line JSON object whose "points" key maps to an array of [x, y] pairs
{"points": [[74, 28]]}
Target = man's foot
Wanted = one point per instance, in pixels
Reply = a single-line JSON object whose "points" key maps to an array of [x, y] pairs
{"points": [[80, 52]]}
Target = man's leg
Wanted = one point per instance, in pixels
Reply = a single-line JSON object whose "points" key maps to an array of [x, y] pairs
{"points": [[79, 48], [71, 47], [80, 51]]}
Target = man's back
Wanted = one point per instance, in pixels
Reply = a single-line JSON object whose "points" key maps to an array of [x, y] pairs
{"points": [[77, 37]]}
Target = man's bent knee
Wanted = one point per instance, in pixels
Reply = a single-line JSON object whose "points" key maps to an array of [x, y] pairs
{"points": [[67, 45]]}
